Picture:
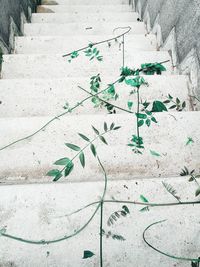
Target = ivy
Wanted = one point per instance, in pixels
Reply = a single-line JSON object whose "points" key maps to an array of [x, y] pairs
{"points": [[153, 68], [136, 144], [118, 214], [92, 52]]}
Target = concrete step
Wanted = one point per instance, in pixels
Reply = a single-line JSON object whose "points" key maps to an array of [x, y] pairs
{"points": [[59, 44], [84, 8], [30, 160], [86, 2], [43, 218], [55, 66], [47, 97], [65, 29], [81, 17]]}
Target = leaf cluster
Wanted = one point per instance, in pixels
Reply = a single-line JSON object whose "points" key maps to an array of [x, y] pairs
{"points": [[117, 214], [152, 68], [113, 236], [92, 52], [171, 190], [176, 103], [145, 200], [145, 118], [136, 82], [68, 163]]}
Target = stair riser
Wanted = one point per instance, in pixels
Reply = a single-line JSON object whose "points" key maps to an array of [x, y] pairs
{"points": [[75, 29], [81, 17], [53, 45], [58, 92], [83, 8], [86, 2]]}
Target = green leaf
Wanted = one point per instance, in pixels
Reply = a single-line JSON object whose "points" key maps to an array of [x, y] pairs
{"points": [[103, 139], [126, 209], [154, 153], [189, 141], [57, 177], [95, 130], [172, 107], [118, 237], [148, 112], [197, 193], [183, 104], [112, 126], [144, 209], [63, 161], [166, 101], [130, 105], [116, 128], [93, 149], [154, 119], [69, 168], [123, 213], [105, 127], [148, 122], [158, 106], [88, 254], [140, 123], [84, 137], [82, 159], [73, 147], [141, 115], [144, 199], [74, 54], [53, 172]]}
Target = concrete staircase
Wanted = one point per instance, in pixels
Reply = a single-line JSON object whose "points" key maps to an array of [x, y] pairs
{"points": [[36, 83]]}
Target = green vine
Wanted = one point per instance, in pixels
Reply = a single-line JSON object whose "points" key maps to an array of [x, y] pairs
{"points": [[144, 117]]}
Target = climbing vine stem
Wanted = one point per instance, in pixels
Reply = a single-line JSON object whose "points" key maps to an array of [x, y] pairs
{"points": [[160, 251], [101, 235], [68, 111], [104, 41]]}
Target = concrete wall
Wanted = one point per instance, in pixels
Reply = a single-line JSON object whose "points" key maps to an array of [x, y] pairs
{"points": [[13, 13], [177, 25]]}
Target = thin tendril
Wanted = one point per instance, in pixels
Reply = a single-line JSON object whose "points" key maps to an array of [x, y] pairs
{"points": [[104, 41], [161, 252]]}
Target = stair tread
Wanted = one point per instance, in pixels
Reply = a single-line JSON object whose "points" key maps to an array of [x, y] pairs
{"points": [[48, 66], [56, 200], [81, 17], [84, 8], [59, 91], [61, 44], [168, 137]]}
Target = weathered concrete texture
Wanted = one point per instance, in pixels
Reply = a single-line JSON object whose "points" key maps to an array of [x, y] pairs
{"points": [[170, 13], [154, 7], [168, 137], [42, 216], [183, 17], [10, 9], [188, 29]]}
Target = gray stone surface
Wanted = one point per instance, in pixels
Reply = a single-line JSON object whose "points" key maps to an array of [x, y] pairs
{"points": [[12, 9], [184, 17]]}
